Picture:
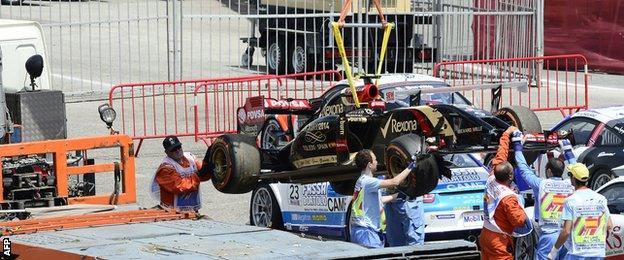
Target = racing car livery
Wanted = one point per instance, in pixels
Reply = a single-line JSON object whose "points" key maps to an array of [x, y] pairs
{"points": [[406, 115], [596, 136], [452, 209]]}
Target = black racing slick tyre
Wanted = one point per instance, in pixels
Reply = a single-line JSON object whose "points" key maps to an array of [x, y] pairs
{"points": [[264, 210], [425, 178], [526, 121], [236, 162]]}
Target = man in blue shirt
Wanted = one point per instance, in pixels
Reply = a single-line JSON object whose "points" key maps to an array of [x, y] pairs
{"points": [[585, 218], [549, 193], [367, 221]]}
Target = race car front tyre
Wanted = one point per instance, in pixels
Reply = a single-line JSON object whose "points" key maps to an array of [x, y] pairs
{"points": [[264, 211], [526, 121], [236, 161], [398, 155]]}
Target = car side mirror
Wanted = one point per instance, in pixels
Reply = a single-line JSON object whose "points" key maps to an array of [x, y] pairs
{"points": [[34, 67]]}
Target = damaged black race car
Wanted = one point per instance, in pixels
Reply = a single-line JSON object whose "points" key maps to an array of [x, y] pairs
{"points": [[307, 141]]}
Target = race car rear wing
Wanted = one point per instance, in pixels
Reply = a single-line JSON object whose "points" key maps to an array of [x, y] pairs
{"points": [[496, 88], [257, 107]]}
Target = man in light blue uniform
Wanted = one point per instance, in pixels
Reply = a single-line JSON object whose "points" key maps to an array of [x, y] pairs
{"points": [[549, 193], [585, 220], [405, 224], [367, 221]]}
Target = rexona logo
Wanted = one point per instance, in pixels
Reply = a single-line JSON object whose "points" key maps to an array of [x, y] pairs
{"points": [[399, 126], [332, 110]]}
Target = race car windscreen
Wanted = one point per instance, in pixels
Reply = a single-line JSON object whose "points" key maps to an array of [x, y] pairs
{"points": [[401, 96]]}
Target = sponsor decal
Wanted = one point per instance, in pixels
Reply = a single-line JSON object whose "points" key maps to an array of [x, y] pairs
{"points": [[315, 161], [242, 116], [445, 216], [390, 96], [332, 110], [469, 130], [316, 147], [318, 127], [614, 241], [619, 128], [601, 154], [255, 114], [314, 137], [284, 104], [396, 126]]}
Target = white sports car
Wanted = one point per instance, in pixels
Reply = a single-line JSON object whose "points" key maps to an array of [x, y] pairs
{"points": [[452, 210]]}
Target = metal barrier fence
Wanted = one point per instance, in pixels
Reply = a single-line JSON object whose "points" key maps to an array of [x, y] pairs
{"points": [[96, 44], [228, 95], [158, 109], [556, 83]]}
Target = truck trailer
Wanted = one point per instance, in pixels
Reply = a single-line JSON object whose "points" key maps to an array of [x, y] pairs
{"points": [[295, 36]]}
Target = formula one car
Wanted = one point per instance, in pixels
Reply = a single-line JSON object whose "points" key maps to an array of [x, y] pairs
{"points": [[407, 115]]}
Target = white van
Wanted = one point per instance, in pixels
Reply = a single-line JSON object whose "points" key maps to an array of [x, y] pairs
{"points": [[19, 40]]}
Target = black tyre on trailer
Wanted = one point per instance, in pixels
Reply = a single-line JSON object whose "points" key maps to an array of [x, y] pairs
{"points": [[236, 163]]}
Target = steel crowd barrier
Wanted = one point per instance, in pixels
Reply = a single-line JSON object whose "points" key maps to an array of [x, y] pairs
{"points": [[158, 109], [556, 83]]}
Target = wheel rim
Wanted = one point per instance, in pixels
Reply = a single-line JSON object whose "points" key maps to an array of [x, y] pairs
{"points": [[299, 59], [262, 208], [602, 179], [524, 249], [219, 159], [270, 139], [273, 55]]}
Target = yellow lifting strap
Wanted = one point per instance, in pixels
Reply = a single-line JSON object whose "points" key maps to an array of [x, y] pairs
{"points": [[341, 49]]}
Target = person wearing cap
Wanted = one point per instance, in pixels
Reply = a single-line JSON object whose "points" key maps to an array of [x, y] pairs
{"points": [[550, 192], [585, 218], [176, 181], [503, 212], [405, 225], [367, 222]]}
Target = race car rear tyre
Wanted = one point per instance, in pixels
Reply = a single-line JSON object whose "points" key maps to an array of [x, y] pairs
{"points": [[399, 154], [599, 178], [236, 159], [526, 121], [264, 211], [272, 136]]}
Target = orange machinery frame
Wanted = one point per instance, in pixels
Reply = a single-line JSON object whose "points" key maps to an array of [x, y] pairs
{"points": [[59, 150]]}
